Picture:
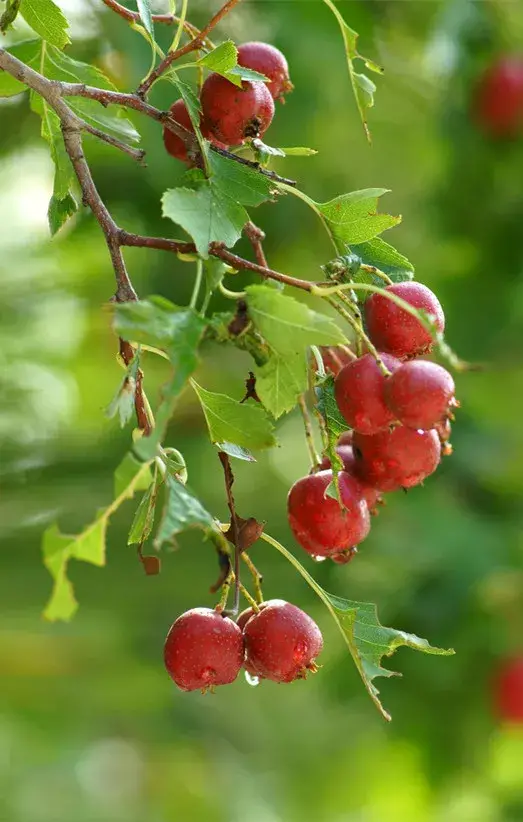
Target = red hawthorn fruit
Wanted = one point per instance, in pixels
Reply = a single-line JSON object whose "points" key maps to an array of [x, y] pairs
{"points": [[498, 103], [203, 649], [508, 691], [282, 642], [174, 144], [360, 393], [233, 113], [346, 454], [394, 330], [267, 60], [335, 357], [320, 525], [420, 394], [400, 458]]}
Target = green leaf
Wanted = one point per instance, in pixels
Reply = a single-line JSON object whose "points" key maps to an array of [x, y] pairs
{"points": [[362, 87], [144, 517], [123, 401], [367, 640], [182, 510], [29, 53], [224, 60], [144, 10], [52, 133], [334, 426], [88, 546], [60, 210], [131, 473], [191, 100], [9, 15], [47, 20], [241, 183], [353, 218], [380, 254], [206, 214], [235, 451], [213, 270], [243, 424], [289, 328]]}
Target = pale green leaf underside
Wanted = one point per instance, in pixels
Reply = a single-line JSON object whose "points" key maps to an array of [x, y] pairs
{"points": [[182, 510]]}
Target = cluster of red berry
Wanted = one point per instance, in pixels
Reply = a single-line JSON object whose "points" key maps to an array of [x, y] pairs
{"points": [[278, 641], [231, 114], [398, 410]]}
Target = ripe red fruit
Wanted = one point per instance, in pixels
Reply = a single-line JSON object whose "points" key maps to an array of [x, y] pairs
{"points": [[282, 642], [396, 459], [267, 60], [499, 98], [202, 649], [232, 113], [346, 454], [420, 394], [320, 525], [394, 330], [360, 393], [174, 144], [335, 357], [508, 691]]}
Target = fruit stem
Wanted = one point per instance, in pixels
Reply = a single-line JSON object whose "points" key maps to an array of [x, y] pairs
{"points": [[358, 329], [197, 283], [256, 576], [371, 269], [226, 587], [309, 436], [177, 37]]}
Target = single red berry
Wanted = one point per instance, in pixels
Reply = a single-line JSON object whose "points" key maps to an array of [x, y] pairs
{"points": [[498, 104], [420, 394], [282, 642], [508, 691], [267, 60], [394, 330], [399, 458], [360, 393], [370, 494], [335, 357], [321, 526], [202, 649], [233, 113], [174, 144]]}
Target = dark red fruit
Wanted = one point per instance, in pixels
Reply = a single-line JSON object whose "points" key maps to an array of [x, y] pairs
{"points": [[346, 454], [203, 649], [232, 113], [174, 144], [394, 330], [345, 556], [508, 691], [396, 459], [335, 357], [499, 98], [360, 393], [269, 61], [282, 642], [321, 526], [420, 394]]}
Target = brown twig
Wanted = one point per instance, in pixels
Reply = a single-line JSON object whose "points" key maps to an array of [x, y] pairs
{"points": [[134, 17], [192, 45], [234, 529], [256, 237]]}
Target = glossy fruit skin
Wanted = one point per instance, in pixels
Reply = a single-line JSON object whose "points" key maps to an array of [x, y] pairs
{"points": [[499, 98], [232, 113], [282, 642], [360, 394], [267, 60], [318, 523], [174, 144], [420, 394], [400, 458], [508, 691], [394, 330], [346, 454], [203, 649]]}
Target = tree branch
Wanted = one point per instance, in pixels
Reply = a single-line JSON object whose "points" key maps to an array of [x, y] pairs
{"points": [[134, 17], [192, 45]]}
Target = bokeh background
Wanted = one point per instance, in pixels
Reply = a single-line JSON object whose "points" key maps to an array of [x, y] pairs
{"points": [[91, 728]]}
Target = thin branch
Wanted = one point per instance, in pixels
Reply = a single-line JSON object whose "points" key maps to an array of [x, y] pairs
{"points": [[192, 45], [256, 237], [134, 17], [137, 154]]}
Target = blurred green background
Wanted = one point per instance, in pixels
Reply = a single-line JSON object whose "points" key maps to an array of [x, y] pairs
{"points": [[91, 728]]}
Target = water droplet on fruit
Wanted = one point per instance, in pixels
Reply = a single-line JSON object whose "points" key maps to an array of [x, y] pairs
{"points": [[251, 680], [318, 559]]}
